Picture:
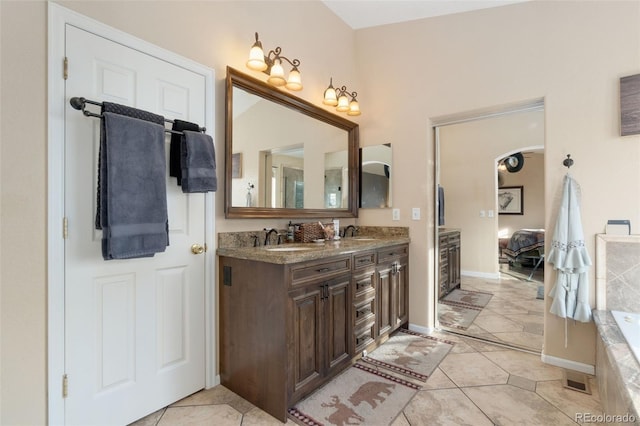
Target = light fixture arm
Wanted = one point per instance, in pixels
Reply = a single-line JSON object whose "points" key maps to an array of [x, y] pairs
{"points": [[278, 56]]}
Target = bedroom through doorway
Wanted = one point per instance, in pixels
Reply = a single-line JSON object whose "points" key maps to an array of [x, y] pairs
{"points": [[490, 234]]}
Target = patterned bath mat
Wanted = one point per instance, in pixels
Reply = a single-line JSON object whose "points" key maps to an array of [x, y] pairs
{"points": [[467, 298], [375, 390], [410, 354], [358, 396], [456, 316]]}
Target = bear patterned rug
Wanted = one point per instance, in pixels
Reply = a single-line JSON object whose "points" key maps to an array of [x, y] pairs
{"points": [[460, 308], [377, 388]]}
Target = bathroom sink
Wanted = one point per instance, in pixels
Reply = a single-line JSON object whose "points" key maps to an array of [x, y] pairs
{"points": [[285, 249]]}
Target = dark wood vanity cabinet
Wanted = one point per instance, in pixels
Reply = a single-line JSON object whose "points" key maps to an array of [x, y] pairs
{"points": [[285, 329], [449, 246]]}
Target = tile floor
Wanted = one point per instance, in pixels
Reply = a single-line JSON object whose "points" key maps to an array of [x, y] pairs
{"points": [[477, 383], [513, 316]]}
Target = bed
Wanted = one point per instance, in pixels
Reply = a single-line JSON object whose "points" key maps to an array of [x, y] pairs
{"points": [[525, 246]]}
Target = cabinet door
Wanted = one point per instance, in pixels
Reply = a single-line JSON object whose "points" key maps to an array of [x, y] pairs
{"points": [[401, 292], [337, 312], [384, 294], [306, 306], [455, 262]]}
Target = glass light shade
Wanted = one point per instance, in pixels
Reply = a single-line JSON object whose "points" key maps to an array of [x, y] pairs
{"points": [[354, 108], [343, 104], [295, 80], [330, 96], [276, 77], [256, 59]]}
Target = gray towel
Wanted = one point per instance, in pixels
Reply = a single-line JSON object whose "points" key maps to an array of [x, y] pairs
{"points": [[102, 183], [135, 207], [198, 163]]}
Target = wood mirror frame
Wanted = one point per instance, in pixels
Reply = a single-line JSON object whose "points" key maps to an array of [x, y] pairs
{"points": [[262, 89]]}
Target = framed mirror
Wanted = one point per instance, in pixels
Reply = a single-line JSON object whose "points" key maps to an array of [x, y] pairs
{"points": [[285, 157]]}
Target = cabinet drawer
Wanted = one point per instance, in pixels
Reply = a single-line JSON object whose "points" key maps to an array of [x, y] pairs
{"points": [[363, 337], [364, 314], [392, 253], [362, 260], [319, 270], [364, 286]]}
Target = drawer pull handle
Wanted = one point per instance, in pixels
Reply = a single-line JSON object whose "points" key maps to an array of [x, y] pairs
{"points": [[323, 269], [365, 260], [362, 312]]}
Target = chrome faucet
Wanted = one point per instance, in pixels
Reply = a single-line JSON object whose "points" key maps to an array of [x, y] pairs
{"points": [[353, 231], [267, 240]]}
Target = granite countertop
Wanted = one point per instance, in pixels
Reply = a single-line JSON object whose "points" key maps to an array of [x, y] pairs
{"points": [[302, 252], [442, 230]]}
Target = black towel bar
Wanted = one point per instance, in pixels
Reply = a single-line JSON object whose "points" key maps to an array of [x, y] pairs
{"points": [[79, 103]]}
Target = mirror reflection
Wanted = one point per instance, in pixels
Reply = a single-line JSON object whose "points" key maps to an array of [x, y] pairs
{"points": [[284, 158], [375, 176]]}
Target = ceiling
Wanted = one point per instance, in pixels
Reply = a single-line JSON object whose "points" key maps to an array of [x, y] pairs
{"points": [[370, 13]]}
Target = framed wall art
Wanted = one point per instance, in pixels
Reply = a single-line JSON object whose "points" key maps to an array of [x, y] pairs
{"points": [[510, 200]]}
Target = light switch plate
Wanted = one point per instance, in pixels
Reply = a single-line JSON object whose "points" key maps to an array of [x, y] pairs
{"points": [[396, 214], [490, 213], [415, 213], [482, 213]]}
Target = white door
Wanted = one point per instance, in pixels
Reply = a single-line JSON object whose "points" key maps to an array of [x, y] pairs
{"points": [[134, 329]]}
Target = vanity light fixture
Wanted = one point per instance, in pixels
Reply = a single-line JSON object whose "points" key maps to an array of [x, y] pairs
{"points": [[271, 64], [339, 98]]}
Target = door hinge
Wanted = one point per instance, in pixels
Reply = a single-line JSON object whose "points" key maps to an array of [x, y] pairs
{"points": [[65, 71], [65, 386], [65, 228]]}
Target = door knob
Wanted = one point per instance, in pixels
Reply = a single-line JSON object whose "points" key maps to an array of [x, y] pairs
{"points": [[197, 249]]}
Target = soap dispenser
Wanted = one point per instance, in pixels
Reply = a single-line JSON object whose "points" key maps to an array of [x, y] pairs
{"points": [[290, 232]]}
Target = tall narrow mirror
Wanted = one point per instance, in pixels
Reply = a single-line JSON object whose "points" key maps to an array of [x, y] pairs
{"points": [[375, 176]]}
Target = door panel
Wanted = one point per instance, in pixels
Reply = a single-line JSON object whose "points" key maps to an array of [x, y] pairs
{"points": [[339, 321], [134, 329]]}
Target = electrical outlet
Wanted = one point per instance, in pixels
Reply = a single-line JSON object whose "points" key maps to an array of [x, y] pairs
{"points": [[396, 214], [415, 213]]}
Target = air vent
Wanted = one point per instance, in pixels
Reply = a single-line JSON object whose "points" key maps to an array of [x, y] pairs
{"points": [[576, 381]]}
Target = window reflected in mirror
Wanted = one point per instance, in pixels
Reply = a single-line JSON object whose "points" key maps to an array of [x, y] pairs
{"points": [[336, 171], [375, 176]]}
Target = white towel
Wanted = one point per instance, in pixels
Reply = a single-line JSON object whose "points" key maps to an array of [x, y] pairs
{"points": [[570, 259]]}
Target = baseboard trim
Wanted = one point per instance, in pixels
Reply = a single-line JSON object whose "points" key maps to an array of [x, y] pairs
{"points": [[476, 274], [568, 364], [420, 329]]}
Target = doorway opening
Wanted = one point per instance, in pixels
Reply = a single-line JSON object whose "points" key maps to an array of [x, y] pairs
{"points": [[489, 177]]}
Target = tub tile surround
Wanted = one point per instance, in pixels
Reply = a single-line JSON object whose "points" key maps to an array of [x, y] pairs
{"points": [[617, 288]]}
